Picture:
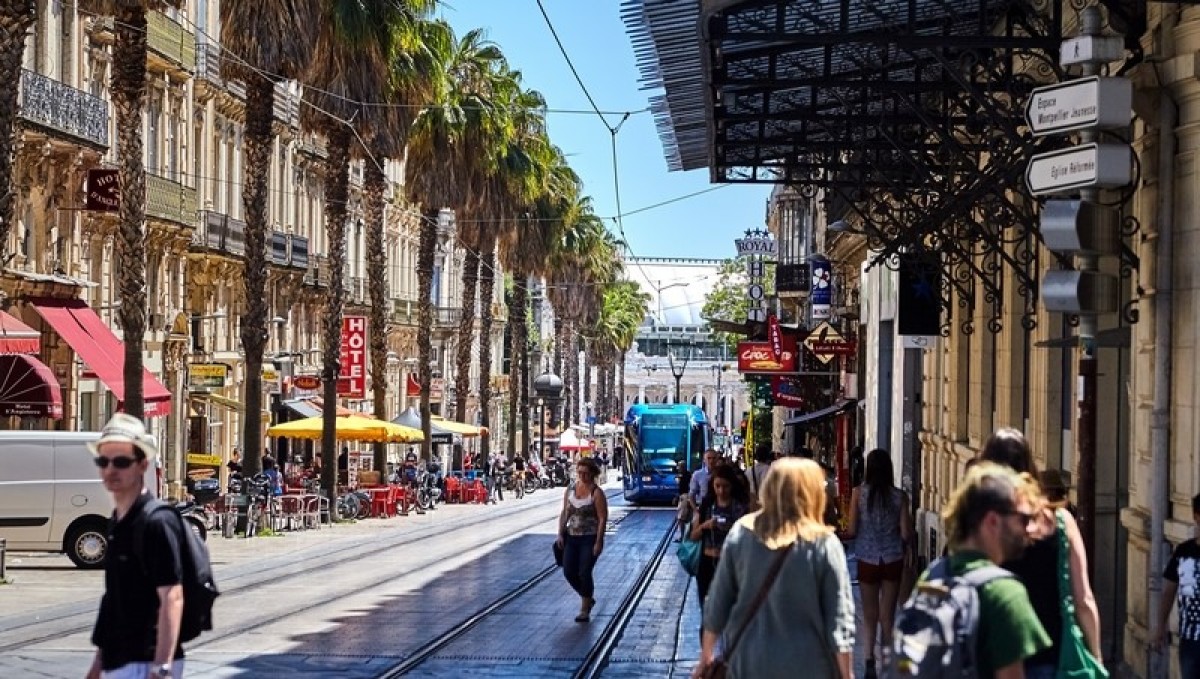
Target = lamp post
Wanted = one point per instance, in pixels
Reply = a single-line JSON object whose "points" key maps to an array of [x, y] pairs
{"points": [[548, 388], [678, 374], [717, 369]]}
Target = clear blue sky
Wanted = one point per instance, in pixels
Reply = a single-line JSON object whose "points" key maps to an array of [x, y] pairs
{"points": [[595, 38]]}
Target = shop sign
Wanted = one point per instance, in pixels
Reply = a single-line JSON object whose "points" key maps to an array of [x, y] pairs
{"points": [[786, 392], [757, 357], [306, 382], [352, 381], [203, 466], [203, 376], [774, 337], [103, 191], [821, 295], [413, 387], [825, 343]]}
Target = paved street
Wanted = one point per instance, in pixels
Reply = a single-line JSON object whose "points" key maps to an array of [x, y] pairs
{"points": [[355, 599]]}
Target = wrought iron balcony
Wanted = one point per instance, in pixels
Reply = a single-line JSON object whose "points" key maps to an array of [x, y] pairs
{"points": [[220, 233], [404, 311], [170, 201], [168, 40], [298, 251], [208, 71], [57, 106], [447, 317]]}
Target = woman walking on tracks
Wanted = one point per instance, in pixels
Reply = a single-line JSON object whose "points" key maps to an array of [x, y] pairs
{"points": [[781, 597], [581, 533]]}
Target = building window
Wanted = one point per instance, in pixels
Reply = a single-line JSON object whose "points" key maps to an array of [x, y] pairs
{"points": [[153, 114]]}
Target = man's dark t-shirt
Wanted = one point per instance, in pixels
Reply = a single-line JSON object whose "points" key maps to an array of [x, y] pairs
{"points": [[1184, 570], [519, 463], [126, 629]]}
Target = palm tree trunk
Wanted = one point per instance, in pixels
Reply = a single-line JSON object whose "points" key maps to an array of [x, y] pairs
{"points": [[621, 390], [16, 18], [466, 334], [129, 98], [336, 193], [487, 286], [260, 97], [516, 318], [375, 185], [522, 297], [562, 363], [426, 249], [586, 377]]}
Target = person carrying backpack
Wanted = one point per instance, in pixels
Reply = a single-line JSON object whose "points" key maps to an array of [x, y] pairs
{"points": [[968, 617], [152, 567]]}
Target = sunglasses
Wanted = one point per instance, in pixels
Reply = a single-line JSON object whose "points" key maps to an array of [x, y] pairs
{"points": [[120, 462], [1025, 517]]}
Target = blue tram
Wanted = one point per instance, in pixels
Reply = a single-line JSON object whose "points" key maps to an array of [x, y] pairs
{"points": [[661, 441]]}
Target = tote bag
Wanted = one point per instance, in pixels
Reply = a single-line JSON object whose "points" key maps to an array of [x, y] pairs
{"points": [[1075, 661], [689, 555]]}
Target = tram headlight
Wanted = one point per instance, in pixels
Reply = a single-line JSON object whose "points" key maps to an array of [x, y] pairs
{"points": [[647, 479]]}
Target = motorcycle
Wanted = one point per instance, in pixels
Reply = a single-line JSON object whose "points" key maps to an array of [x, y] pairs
{"points": [[196, 518], [429, 488], [557, 473]]}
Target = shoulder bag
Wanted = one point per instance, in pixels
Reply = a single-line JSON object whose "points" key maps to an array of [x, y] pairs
{"points": [[1075, 661], [689, 552], [719, 668]]}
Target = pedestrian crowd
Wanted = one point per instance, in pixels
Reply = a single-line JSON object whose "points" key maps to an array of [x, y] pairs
{"points": [[1010, 598]]}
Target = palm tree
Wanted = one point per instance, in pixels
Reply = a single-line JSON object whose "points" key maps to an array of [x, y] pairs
{"points": [[409, 86], [129, 99], [16, 18], [357, 42], [276, 36]]}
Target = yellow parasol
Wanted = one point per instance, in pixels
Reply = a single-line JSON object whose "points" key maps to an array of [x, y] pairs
{"points": [[352, 428], [460, 428]]}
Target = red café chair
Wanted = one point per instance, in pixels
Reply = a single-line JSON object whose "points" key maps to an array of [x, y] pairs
{"points": [[479, 492], [453, 489], [403, 498], [379, 501]]}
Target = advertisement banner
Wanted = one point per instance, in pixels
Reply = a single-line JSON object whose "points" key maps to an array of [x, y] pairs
{"points": [[352, 380], [774, 337], [821, 294], [412, 387], [203, 376], [756, 357], [786, 392]]}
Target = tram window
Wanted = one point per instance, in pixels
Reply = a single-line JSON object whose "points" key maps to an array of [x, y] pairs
{"points": [[699, 443]]}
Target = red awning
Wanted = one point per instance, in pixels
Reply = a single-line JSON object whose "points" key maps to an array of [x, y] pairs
{"points": [[28, 388], [16, 337], [100, 349]]}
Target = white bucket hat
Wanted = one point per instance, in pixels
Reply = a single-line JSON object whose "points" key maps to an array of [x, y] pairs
{"points": [[123, 428]]}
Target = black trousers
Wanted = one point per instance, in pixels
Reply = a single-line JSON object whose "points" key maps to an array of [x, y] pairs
{"points": [[704, 576]]}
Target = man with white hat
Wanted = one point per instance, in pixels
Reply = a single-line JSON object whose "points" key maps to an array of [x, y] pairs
{"points": [[137, 630]]}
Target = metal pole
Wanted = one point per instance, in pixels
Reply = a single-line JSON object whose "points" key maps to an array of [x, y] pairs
{"points": [[542, 440], [720, 400], [1090, 23]]}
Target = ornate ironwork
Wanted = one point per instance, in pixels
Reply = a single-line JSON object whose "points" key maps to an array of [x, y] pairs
{"points": [[55, 105]]}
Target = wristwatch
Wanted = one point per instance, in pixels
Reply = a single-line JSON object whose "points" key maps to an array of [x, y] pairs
{"points": [[163, 670]]}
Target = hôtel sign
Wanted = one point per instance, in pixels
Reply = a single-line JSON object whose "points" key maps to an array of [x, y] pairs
{"points": [[757, 357]]}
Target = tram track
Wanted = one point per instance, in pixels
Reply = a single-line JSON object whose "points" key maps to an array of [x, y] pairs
{"points": [[80, 618], [597, 656]]}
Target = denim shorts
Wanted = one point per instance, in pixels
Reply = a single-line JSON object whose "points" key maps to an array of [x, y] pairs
{"points": [[140, 670]]}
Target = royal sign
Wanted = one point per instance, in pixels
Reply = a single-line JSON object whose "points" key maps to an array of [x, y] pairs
{"points": [[352, 380], [755, 245], [757, 357]]}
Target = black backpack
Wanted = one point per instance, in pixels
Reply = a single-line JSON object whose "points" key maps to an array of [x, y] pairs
{"points": [[199, 587]]}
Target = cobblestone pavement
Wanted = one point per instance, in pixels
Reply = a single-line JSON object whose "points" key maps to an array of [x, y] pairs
{"points": [[352, 600]]}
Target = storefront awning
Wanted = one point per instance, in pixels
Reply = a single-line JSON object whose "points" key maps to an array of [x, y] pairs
{"points": [[817, 415], [16, 337], [302, 407], [104, 354], [28, 388]]}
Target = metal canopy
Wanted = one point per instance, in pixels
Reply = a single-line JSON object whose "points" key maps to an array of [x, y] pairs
{"points": [[905, 114]]}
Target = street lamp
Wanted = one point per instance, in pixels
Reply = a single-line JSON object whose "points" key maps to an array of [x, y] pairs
{"points": [[548, 388], [717, 369], [678, 374]]}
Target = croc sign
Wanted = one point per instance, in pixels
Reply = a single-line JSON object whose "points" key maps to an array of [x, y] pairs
{"points": [[757, 357]]}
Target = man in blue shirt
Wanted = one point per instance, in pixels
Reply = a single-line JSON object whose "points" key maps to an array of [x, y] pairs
{"points": [[699, 485]]}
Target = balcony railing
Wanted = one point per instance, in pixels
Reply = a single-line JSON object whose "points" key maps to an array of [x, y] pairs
{"points": [[208, 70], [222, 234], [170, 201], [55, 105], [448, 316], [356, 289], [404, 311], [298, 252], [314, 147], [170, 40], [287, 105], [277, 244]]}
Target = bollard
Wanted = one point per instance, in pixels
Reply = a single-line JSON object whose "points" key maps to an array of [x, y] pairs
{"points": [[3, 554]]}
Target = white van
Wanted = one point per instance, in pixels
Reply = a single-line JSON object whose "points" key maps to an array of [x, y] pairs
{"points": [[51, 496]]}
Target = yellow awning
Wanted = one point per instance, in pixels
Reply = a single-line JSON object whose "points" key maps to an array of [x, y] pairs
{"points": [[460, 428], [232, 404], [352, 428]]}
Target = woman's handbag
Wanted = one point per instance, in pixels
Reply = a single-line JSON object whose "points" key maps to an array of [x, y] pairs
{"points": [[718, 668], [1075, 661], [558, 554], [689, 551]]}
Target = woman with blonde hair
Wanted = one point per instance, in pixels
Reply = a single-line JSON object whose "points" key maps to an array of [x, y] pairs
{"points": [[781, 598]]}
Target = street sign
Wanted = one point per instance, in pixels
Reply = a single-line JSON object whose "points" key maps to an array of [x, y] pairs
{"points": [[825, 343], [1094, 48], [1102, 166], [1084, 103]]}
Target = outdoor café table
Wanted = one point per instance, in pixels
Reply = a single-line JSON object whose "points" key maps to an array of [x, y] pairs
{"points": [[291, 506]]}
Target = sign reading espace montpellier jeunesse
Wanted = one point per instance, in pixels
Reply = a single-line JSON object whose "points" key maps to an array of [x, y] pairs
{"points": [[352, 380]]}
